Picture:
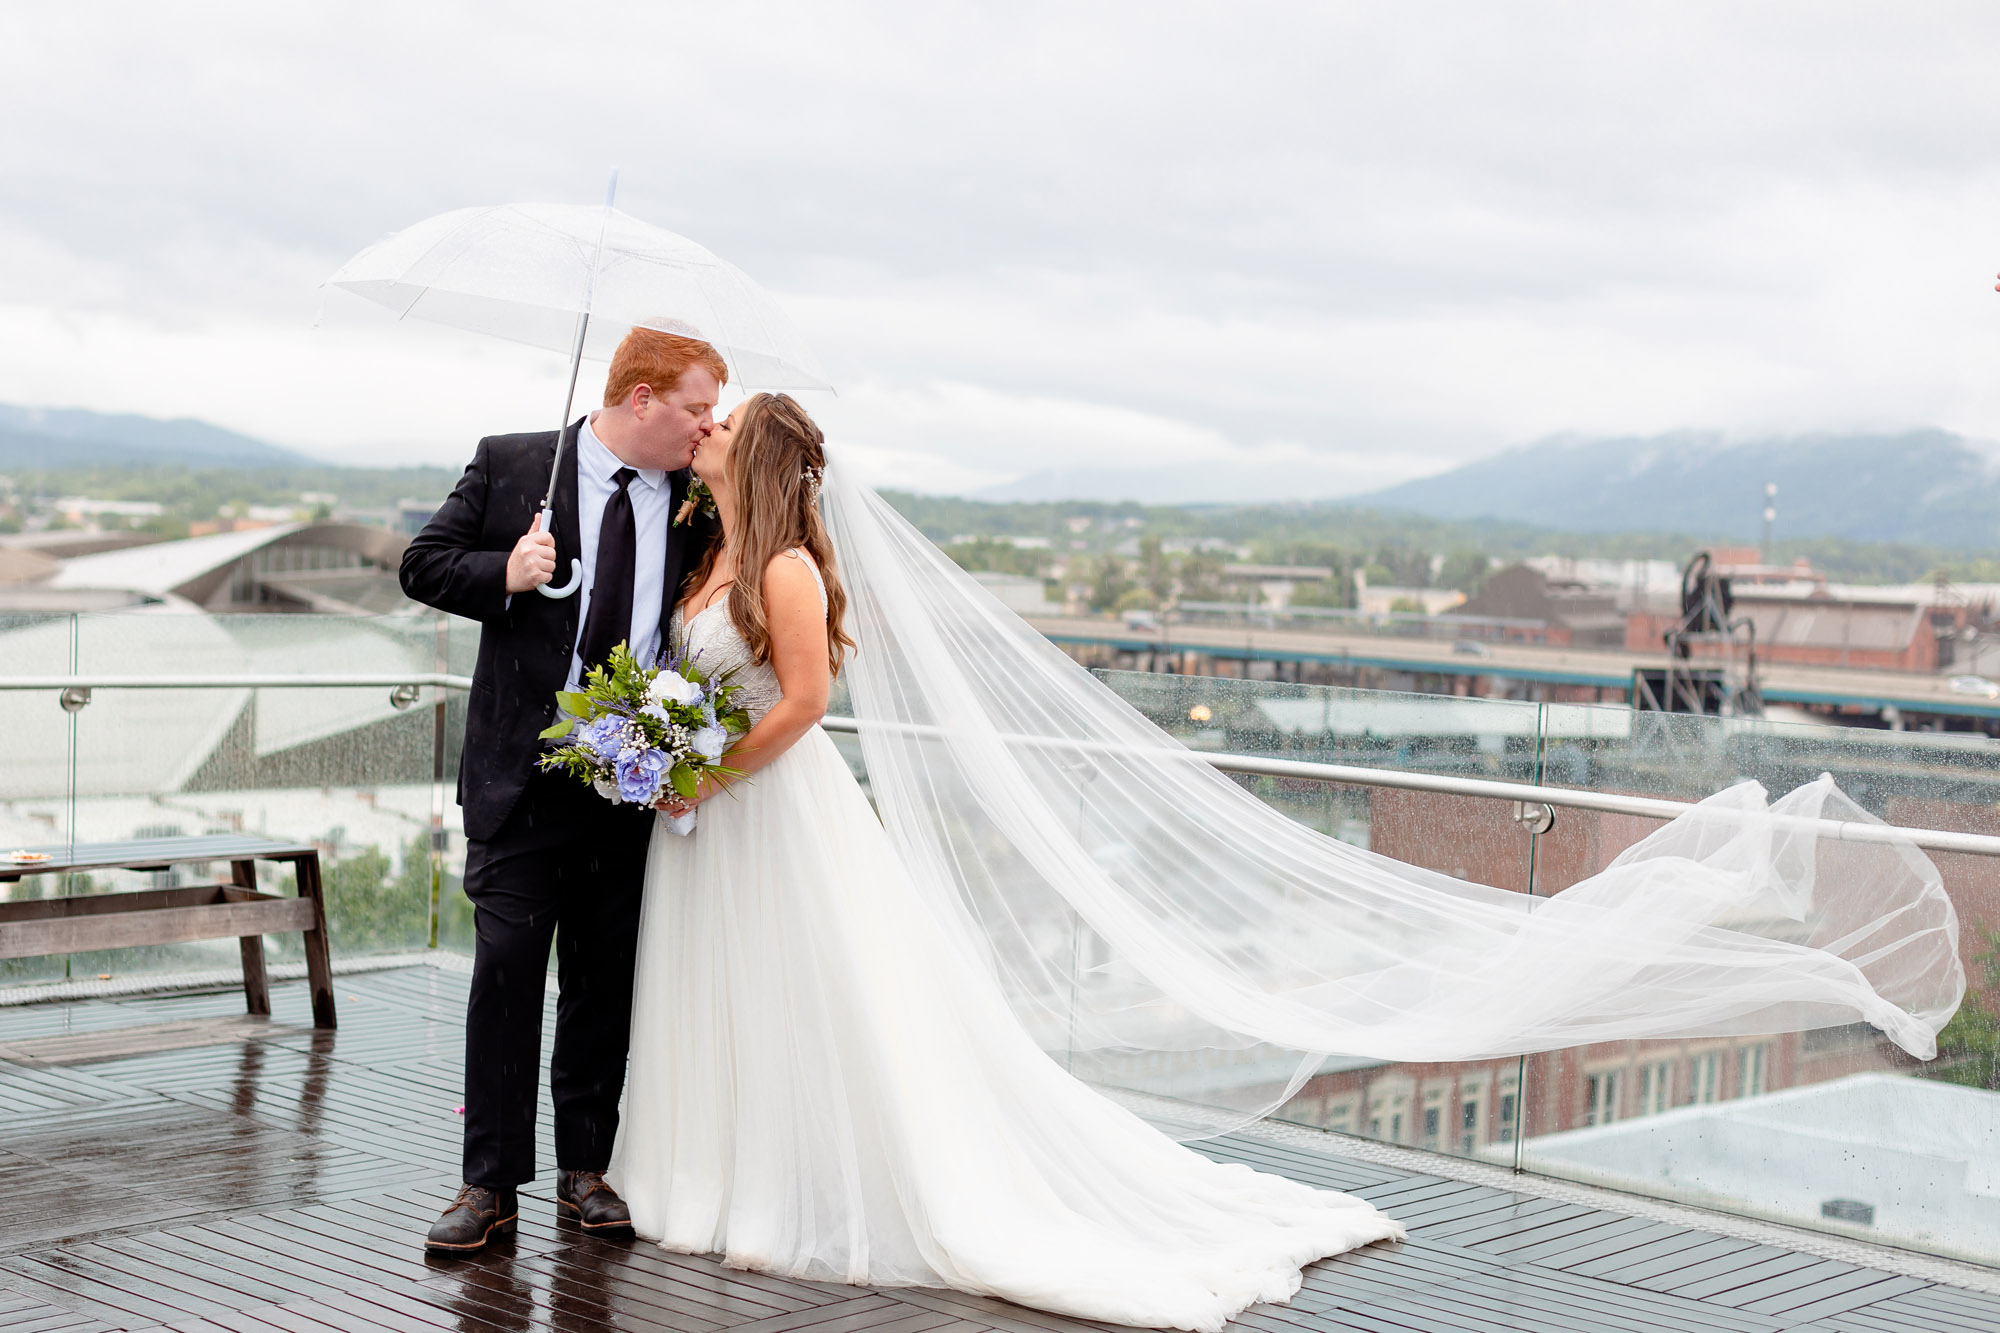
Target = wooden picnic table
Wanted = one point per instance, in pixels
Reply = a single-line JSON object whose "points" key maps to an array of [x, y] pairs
{"points": [[79, 923]]}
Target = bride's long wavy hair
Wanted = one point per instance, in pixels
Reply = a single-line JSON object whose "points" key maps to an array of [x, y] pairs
{"points": [[776, 464]]}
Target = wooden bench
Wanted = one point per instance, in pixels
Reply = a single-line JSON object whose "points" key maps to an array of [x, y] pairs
{"points": [[84, 922]]}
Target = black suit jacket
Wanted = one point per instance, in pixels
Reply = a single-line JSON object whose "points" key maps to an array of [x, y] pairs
{"points": [[458, 563]]}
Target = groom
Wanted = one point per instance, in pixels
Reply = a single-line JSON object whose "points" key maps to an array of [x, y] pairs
{"points": [[546, 857]]}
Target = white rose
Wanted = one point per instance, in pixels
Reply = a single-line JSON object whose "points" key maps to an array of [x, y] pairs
{"points": [[709, 743], [670, 687]]}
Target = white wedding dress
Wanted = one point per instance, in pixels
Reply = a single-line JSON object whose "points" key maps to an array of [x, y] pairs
{"points": [[827, 1083], [847, 1006]]}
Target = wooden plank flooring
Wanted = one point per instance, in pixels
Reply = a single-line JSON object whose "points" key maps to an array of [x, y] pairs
{"points": [[221, 1175]]}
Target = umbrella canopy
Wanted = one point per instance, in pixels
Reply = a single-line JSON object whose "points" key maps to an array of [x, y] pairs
{"points": [[527, 272]]}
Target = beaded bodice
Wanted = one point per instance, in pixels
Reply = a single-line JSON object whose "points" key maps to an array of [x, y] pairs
{"points": [[709, 637]]}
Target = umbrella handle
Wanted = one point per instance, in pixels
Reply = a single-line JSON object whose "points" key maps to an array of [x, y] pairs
{"points": [[575, 571], [567, 589]]}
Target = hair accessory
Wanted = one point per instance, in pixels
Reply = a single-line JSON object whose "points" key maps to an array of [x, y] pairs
{"points": [[813, 477]]}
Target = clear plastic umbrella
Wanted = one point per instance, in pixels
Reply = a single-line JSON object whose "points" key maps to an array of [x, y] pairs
{"points": [[577, 279]]}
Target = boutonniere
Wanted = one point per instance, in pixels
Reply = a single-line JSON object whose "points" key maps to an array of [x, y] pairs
{"points": [[699, 499]]}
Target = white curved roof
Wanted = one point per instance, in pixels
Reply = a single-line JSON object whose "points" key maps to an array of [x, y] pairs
{"points": [[160, 568]]}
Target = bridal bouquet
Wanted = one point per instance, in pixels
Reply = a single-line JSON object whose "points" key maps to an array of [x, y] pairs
{"points": [[640, 733]]}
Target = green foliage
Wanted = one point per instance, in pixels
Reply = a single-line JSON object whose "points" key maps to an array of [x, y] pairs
{"points": [[1199, 576], [1410, 604], [1155, 572], [1969, 1046], [1107, 582], [1000, 557], [1333, 592], [373, 908], [1465, 571]]}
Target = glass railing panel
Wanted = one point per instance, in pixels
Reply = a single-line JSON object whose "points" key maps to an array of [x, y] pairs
{"points": [[1834, 1129], [1469, 1109], [35, 793], [349, 769]]}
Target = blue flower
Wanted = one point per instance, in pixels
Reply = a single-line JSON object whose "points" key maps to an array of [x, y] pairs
{"points": [[602, 737], [640, 775]]}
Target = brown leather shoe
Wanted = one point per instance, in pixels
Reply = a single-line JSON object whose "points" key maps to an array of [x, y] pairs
{"points": [[476, 1216], [582, 1197]]}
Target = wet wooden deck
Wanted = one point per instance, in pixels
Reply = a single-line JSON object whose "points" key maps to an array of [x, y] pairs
{"points": [[167, 1164]]}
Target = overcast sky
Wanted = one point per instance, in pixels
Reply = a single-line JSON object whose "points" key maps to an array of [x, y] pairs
{"points": [[1269, 249]]}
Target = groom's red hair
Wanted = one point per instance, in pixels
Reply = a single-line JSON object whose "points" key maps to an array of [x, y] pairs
{"points": [[658, 360]]}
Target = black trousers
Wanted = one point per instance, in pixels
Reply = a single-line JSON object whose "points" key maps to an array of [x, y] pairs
{"points": [[570, 866]]}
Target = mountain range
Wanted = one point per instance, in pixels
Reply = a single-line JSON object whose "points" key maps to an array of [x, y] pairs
{"points": [[41, 437], [1928, 487], [1922, 486]]}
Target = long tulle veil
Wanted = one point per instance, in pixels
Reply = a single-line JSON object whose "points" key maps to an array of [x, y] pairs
{"points": [[1160, 929]]}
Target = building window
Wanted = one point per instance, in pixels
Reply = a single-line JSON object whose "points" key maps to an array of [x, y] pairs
{"points": [[1656, 1088], [1706, 1070], [1750, 1070], [1507, 1113], [1601, 1097]]}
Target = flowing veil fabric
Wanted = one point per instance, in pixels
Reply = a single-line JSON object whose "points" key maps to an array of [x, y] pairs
{"points": [[1158, 928]]}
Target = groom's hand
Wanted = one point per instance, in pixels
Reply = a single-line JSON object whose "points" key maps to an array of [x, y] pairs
{"points": [[532, 561]]}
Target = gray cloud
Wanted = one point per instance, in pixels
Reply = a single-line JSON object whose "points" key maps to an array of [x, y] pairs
{"points": [[1381, 239]]}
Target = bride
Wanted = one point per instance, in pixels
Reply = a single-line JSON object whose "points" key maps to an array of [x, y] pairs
{"points": [[854, 1025]]}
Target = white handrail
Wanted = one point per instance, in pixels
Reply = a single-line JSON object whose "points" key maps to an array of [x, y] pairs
{"points": [[1649, 807]]}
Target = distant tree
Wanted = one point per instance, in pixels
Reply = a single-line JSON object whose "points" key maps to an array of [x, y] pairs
{"points": [[371, 907], [1407, 566], [1198, 577], [1334, 592], [1104, 579], [1407, 604], [1155, 572], [1465, 571], [987, 555]]}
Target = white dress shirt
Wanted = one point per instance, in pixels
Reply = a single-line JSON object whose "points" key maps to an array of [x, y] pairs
{"points": [[652, 498]]}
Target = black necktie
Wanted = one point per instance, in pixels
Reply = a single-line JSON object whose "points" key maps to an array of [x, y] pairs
{"points": [[608, 623]]}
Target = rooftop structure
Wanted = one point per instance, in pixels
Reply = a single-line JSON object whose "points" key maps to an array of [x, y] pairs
{"points": [[337, 568], [1576, 613], [176, 1166]]}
